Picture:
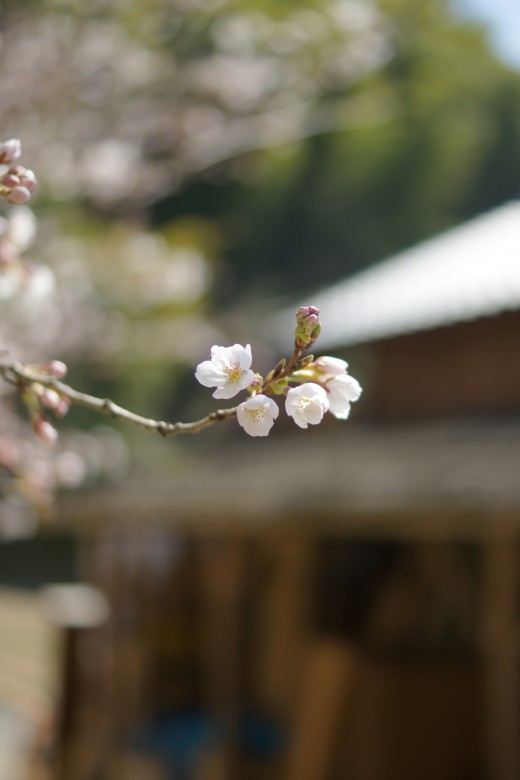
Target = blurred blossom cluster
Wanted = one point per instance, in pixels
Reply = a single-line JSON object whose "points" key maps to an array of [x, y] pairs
{"points": [[61, 299], [71, 304], [156, 273], [17, 183], [118, 101], [30, 474], [150, 287], [45, 309]]}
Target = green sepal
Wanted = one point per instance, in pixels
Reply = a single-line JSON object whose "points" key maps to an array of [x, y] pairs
{"points": [[278, 386], [305, 361]]}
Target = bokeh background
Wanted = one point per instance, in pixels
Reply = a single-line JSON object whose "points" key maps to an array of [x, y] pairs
{"points": [[334, 603]]}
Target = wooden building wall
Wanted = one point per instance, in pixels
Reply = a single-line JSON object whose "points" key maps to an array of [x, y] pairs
{"points": [[467, 368]]}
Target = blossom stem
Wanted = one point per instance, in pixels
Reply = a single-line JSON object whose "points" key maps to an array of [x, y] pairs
{"points": [[21, 376], [286, 372]]}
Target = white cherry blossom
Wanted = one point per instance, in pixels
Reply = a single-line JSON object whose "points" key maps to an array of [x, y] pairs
{"points": [[229, 370], [342, 390], [257, 415], [306, 404]]}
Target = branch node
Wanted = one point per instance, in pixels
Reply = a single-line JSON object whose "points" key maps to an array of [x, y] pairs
{"points": [[108, 408]]}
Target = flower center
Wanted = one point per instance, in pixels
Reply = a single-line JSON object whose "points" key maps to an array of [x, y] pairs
{"points": [[233, 372], [258, 413]]}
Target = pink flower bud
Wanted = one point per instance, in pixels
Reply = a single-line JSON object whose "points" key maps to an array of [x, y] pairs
{"points": [[331, 366], [28, 180], [44, 429], [19, 195], [308, 311], [63, 407], [50, 398], [10, 150], [56, 368], [10, 454], [11, 180], [38, 389], [307, 317], [307, 326], [7, 253]]}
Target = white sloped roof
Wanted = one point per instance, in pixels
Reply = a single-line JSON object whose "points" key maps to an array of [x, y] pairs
{"points": [[468, 272]]}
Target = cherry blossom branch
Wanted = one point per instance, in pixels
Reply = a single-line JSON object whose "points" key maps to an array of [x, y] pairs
{"points": [[23, 377], [324, 385]]}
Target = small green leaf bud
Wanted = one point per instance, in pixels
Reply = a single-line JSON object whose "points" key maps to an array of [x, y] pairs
{"points": [[279, 386]]}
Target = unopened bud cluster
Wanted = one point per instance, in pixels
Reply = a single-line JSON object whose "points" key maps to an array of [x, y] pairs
{"points": [[308, 327], [42, 399], [322, 385], [17, 183]]}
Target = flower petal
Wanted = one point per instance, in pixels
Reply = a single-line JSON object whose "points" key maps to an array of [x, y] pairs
{"points": [[209, 374], [241, 356], [342, 391]]}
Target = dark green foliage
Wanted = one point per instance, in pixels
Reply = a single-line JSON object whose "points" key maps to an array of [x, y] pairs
{"points": [[445, 148]]}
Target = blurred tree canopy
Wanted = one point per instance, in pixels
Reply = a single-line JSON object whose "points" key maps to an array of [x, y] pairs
{"points": [[309, 138], [433, 141]]}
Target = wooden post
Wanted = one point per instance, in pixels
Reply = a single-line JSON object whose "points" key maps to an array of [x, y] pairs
{"points": [[282, 625], [222, 568], [325, 694], [500, 634]]}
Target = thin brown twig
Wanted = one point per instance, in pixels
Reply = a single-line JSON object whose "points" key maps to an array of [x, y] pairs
{"points": [[19, 375]]}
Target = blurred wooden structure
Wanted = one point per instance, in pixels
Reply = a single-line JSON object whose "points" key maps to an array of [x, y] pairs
{"points": [[343, 610], [373, 643], [31, 660]]}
